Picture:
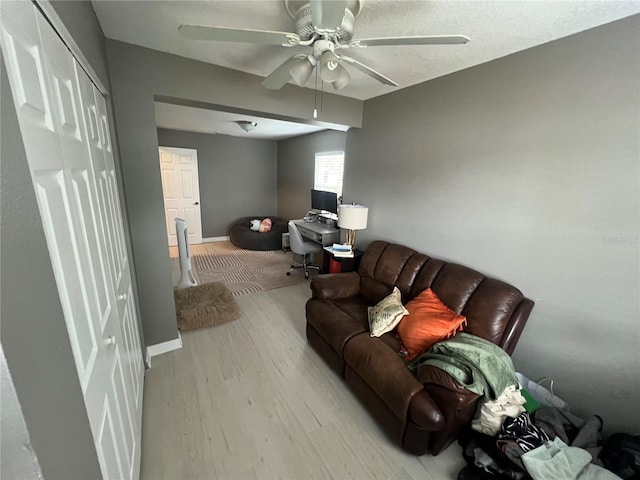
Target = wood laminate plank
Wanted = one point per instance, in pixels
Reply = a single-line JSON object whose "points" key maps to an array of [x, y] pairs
{"points": [[251, 399]]}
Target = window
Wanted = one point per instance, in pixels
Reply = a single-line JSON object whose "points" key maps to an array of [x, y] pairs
{"points": [[328, 172]]}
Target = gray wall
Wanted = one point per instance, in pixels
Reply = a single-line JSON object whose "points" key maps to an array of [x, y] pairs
{"points": [[137, 75], [237, 176], [527, 168], [34, 334], [17, 457], [296, 165], [82, 23]]}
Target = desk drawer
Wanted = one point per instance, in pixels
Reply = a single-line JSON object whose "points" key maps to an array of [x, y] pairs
{"points": [[316, 237], [331, 238]]}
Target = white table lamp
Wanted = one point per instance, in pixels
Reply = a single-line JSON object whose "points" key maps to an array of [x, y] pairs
{"points": [[352, 218]]}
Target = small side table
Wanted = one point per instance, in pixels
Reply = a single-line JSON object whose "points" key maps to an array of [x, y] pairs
{"points": [[285, 242], [333, 264]]}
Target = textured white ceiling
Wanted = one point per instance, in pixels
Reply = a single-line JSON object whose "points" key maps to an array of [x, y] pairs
{"points": [[496, 29], [191, 119]]}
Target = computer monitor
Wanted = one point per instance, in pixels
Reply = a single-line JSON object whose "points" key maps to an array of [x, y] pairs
{"points": [[326, 201]]}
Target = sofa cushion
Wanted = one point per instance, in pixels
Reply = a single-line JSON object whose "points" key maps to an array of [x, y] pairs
{"points": [[338, 320], [392, 340], [489, 309], [455, 284], [383, 371], [429, 321], [380, 268], [386, 314]]}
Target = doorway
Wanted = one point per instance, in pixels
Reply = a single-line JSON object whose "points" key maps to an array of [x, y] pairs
{"points": [[181, 192]]}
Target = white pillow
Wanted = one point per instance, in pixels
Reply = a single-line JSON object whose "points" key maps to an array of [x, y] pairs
{"points": [[386, 314], [255, 225]]}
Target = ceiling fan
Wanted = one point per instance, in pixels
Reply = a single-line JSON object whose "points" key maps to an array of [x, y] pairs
{"points": [[325, 26]]}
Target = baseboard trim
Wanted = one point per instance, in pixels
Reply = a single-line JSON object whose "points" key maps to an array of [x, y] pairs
{"points": [[164, 347], [214, 239]]}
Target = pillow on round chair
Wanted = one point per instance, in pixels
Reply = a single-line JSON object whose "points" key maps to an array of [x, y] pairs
{"points": [[265, 226], [255, 225]]}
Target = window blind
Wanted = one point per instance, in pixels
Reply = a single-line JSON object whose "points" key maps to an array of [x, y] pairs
{"points": [[328, 171]]}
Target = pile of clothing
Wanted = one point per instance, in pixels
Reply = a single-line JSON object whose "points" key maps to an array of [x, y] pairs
{"points": [[516, 437], [547, 444]]}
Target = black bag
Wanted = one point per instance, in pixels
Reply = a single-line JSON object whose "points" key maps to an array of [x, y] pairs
{"points": [[621, 455], [503, 468]]}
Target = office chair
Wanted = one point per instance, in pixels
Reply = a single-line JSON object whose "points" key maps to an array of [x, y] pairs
{"points": [[300, 247]]}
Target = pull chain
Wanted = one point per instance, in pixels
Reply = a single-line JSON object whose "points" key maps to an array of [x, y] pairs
{"points": [[315, 97], [321, 94]]}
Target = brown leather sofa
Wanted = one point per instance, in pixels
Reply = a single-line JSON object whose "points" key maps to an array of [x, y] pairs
{"points": [[424, 411]]}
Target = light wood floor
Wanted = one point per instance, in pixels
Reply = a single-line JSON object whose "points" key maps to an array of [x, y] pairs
{"points": [[222, 247], [251, 399]]}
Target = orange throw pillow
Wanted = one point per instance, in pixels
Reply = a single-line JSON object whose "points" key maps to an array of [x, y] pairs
{"points": [[429, 321]]}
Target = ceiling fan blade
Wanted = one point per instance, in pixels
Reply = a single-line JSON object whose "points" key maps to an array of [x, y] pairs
{"points": [[223, 34], [280, 76], [369, 71], [421, 40], [327, 14]]}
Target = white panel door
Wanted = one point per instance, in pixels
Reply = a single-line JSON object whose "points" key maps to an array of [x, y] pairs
{"points": [[126, 368], [181, 191], [63, 123]]}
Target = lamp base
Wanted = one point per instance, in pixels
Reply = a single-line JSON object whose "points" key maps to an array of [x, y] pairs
{"points": [[350, 237]]}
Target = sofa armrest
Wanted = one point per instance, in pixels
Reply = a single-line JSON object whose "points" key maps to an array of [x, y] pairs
{"points": [[434, 375], [424, 412], [456, 403], [335, 285], [440, 384]]}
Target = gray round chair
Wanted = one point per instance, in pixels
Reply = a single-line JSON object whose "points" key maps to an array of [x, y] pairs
{"points": [[241, 235]]}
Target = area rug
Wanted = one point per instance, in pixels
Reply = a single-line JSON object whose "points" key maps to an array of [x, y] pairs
{"points": [[204, 306], [247, 271]]}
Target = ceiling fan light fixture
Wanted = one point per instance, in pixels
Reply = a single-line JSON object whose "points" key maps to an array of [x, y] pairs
{"points": [[302, 70], [325, 26], [329, 63], [343, 79], [247, 125]]}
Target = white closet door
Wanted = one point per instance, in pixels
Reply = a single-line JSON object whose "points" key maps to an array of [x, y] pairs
{"points": [[65, 131]]}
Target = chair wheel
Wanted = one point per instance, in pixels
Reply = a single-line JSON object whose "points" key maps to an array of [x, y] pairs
{"points": [[306, 275], [288, 273]]}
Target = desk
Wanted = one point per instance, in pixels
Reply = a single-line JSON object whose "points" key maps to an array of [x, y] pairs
{"points": [[318, 232]]}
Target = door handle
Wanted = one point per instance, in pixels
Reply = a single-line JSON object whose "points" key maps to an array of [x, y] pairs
{"points": [[196, 203]]}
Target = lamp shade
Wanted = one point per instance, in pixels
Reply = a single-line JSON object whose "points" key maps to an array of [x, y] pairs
{"points": [[353, 217], [329, 71], [343, 78], [301, 71]]}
